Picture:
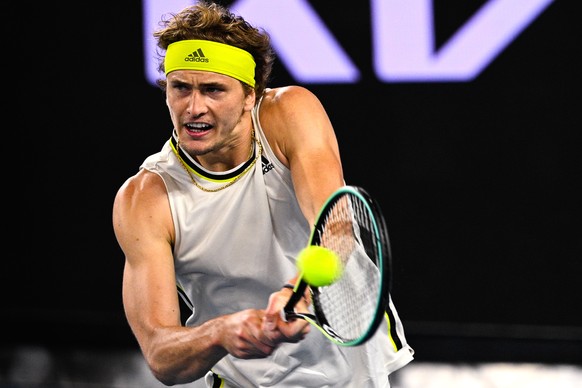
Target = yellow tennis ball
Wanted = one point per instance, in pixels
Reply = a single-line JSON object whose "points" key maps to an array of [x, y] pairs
{"points": [[319, 266]]}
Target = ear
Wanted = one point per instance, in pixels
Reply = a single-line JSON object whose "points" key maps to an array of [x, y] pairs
{"points": [[250, 101]]}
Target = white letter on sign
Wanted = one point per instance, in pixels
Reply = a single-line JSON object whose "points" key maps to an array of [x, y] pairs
{"points": [[403, 39]]}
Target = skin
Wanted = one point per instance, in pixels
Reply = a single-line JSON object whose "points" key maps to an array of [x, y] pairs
{"points": [[212, 116]]}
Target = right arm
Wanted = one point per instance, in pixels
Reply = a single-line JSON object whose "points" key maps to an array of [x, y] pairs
{"points": [[176, 354]]}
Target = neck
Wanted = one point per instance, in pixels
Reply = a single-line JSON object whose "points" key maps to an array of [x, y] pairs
{"points": [[224, 158]]}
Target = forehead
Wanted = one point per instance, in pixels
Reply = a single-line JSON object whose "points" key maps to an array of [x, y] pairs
{"points": [[200, 77]]}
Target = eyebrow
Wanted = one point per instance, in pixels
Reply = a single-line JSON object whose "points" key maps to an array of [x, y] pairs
{"points": [[204, 84]]}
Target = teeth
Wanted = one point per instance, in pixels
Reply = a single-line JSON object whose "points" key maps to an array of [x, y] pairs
{"points": [[197, 125]]}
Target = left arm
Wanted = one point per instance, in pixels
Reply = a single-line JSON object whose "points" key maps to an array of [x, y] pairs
{"points": [[302, 136]]}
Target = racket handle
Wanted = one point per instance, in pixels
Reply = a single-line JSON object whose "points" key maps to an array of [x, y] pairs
{"points": [[289, 309]]}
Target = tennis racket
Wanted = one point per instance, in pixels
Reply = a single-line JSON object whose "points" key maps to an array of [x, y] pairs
{"points": [[349, 311]]}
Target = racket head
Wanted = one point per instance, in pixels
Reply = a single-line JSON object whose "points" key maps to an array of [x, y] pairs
{"points": [[351, 224]]}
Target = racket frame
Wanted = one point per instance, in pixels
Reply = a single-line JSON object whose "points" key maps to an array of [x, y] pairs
{"points": [[384, 265]]}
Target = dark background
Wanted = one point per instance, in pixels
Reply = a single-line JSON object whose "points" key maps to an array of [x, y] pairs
{"points": [[478, 180]]}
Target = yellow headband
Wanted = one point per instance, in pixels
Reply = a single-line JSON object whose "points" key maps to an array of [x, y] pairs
{"points": [[212, 56]]}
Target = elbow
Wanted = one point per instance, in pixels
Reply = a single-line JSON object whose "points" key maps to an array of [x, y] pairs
{"points": [[170, 375], [163, 375], [168, 378], [164, 378]]}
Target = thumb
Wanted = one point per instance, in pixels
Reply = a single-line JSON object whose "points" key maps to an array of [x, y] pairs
{"points": [[271, 313], [270, 321]]}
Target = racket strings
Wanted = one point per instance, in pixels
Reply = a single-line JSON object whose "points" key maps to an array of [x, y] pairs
{"points": [[349, 305]]}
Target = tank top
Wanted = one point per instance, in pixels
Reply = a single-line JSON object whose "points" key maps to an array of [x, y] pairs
{"points": [[236, 246]]}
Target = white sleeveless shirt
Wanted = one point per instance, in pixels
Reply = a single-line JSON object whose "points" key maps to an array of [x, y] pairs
{"points": [[236, 246]]}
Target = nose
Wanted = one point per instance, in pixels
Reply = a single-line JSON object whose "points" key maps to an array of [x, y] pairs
{"points": [[196, 105]]}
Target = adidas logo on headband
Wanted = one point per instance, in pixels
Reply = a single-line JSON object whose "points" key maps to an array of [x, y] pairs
{"points": [[196, 56]]}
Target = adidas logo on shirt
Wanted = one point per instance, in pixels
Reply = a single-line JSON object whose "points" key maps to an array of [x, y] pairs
{"points": [[267, 166], [196, 56]]}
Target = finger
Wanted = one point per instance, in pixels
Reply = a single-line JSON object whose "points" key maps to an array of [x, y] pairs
{"points": [[270, 322]]}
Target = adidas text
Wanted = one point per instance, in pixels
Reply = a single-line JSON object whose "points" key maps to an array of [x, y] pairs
{"points": [[192, 59]]}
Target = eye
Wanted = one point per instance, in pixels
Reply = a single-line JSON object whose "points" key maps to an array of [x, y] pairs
{"points": [[180, 87], [212, 89]]}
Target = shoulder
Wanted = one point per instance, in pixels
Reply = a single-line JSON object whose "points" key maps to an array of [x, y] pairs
{"points": [[285, 100], [142, 190], [141, 212], [289, 109], [293, 119], [143, 182]]}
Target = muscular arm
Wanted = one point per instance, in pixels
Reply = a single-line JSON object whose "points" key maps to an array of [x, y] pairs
{"points": [[143, 226], [303, 138]]}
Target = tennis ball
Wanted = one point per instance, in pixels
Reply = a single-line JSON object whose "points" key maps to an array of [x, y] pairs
{"points": [[319, 266]]}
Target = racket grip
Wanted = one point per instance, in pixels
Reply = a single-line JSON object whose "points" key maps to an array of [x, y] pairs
{"points": [[289, 309]]}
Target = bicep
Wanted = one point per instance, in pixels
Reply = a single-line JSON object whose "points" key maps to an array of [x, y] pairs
{"points": [[144, 230], [149, 292]]}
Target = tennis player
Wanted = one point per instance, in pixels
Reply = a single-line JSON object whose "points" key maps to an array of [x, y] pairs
{"points": [[221, 211]]}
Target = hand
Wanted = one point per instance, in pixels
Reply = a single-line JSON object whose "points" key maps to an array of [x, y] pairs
{"points": [[277, 329], [244, 336]]}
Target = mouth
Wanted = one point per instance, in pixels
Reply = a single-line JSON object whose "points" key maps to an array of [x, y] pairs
{"points": [[197, 127], [197, 130]]}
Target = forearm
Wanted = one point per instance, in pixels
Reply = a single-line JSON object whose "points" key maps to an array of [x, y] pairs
{"points": [[178, 355]]}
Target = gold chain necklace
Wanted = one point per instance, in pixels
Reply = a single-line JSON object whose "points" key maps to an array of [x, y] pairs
{"points": [[257, 156]]}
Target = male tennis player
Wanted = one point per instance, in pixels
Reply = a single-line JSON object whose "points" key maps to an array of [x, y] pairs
{"points": [[222, 210]]}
